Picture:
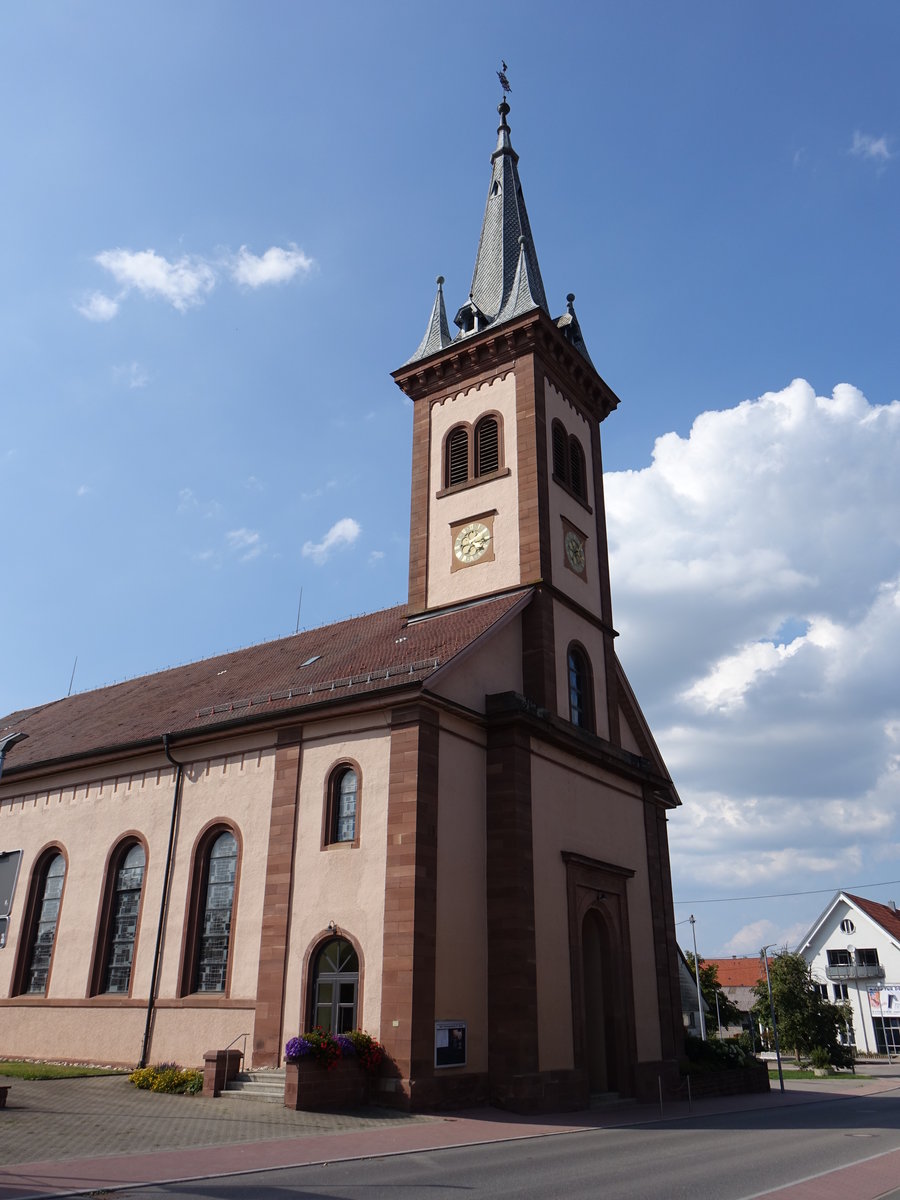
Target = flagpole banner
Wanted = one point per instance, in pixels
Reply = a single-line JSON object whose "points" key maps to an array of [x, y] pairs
{"points": [[885, 1001]]}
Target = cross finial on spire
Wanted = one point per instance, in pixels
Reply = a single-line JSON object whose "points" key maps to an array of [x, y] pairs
{"points": [[501, 75]]}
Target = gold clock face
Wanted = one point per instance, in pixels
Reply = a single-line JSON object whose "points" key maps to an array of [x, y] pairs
{"points": [[575, 551], [472, 542]]}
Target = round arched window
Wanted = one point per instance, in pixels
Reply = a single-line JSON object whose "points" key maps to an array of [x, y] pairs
{"points": [[335, 986]]}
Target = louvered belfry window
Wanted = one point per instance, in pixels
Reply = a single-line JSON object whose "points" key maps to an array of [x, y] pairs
{"points": [[568, 461], [487, 446], [457, 469], [577, 479], [560, 457]]}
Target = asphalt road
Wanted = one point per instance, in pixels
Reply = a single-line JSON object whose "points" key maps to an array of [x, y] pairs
{"points": [[731, 1157]]}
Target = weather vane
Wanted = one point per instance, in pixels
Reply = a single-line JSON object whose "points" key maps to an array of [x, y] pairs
{"points": [[501, 75]]}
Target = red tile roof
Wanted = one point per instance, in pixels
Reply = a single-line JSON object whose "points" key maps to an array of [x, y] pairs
{"points": [[886, 917], [739, 972], [355, 657]]}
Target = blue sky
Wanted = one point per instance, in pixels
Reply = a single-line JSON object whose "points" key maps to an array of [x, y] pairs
{"points": [[220, 228]]}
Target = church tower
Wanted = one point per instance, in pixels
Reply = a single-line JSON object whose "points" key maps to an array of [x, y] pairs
{"points": [[507, 486]]}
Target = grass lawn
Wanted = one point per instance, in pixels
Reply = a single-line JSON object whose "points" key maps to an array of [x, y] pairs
{"points": [[39, 1070], [796, 1073]]}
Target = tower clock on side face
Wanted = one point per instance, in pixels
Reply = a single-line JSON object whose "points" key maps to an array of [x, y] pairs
{"points": [[575, 552], [472, 542]]}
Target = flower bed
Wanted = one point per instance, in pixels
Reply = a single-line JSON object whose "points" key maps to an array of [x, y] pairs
{"points": [[326, 1071]]}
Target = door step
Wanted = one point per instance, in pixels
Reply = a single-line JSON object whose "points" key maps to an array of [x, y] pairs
{"points": [[266, 1085]]}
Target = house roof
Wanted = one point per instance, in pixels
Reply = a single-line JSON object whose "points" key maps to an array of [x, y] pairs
{"points": [[357, 657], [739, 972], [883, 914]]}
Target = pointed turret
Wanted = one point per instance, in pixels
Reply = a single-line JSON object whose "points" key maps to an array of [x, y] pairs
{"points": [[437, 335]]}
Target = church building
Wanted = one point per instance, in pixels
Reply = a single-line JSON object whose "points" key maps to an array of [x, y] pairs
{"points": [[443, 823]]}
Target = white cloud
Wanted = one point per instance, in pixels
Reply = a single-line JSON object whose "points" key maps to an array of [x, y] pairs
{"points": [[375, 556], [83, 489], [133, 375], [866, 146], [98, 307], [276, 265], [342, 533], [756, 583], [188, 502], [183, 283], [246, 543]]}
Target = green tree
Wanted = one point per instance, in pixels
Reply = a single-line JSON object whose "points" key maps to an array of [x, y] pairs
{"points": [[806, 1020], [729, 1013]]}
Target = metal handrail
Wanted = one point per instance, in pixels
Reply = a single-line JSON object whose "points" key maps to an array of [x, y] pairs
{"points": [[243, 1049]]}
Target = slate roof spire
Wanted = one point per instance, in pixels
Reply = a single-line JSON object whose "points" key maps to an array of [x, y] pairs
{"points": [[507, 260], [507, 279]]}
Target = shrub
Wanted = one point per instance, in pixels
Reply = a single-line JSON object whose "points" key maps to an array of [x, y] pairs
{"points": [[820, 1058], [715, 1055], [169, 1078]]}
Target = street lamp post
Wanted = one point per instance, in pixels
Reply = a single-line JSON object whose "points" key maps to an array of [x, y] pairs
{"points": [[765, 958]]}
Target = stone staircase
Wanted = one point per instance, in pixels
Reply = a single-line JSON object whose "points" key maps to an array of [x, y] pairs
{"points": [[266, 1085]]}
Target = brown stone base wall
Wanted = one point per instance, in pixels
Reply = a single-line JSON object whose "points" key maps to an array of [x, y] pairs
{"points": [[728, 1083], [310, 1087], [542, 1092], [647, 1076], [219, 1067]]}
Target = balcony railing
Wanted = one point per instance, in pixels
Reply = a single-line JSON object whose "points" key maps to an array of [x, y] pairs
{"points": [[855, 971]]}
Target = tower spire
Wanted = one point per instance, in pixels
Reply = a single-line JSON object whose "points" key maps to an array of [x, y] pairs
{"points": [[506, 282], [506, 256]]}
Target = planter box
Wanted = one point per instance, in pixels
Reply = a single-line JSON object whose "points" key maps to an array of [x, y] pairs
{"points": [[313, 1088]]}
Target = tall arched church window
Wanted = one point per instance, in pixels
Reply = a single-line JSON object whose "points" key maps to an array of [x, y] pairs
{"points": [[43, 909], [580, 689], [335, 987], [342, 816], [208, 942], [487, 446], [457, 465], [121, 917]]}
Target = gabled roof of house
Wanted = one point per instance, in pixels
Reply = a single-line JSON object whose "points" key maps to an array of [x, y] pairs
{"points": [[357, 657], [881, 914], [885, 916], [739, 972]]}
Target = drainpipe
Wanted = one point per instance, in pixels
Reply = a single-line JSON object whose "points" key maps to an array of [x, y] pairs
{"points": [[164, 900]]}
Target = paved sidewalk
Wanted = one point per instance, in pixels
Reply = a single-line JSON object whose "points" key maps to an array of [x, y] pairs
{"points": [[67, 1137]]}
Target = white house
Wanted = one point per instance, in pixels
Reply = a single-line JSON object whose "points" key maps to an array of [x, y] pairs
{"points": [[853, 950]]}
